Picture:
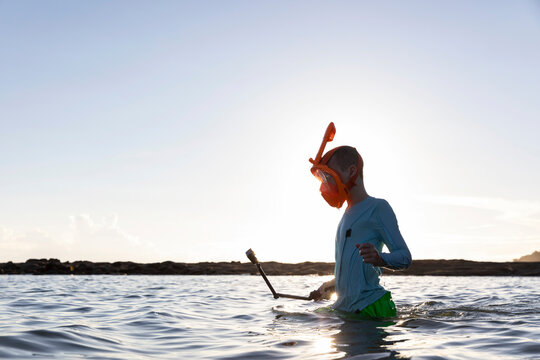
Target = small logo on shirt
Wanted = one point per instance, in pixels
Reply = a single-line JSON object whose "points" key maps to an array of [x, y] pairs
{"points": [[348, 233]]}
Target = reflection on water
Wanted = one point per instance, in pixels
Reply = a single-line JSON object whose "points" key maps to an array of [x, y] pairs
{"points": [[235, 317], [365, 337]]}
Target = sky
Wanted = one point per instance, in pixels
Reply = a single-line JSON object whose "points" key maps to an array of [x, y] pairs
{"points": [[181, 130]]}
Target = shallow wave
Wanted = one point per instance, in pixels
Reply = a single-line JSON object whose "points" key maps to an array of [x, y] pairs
{"points": [[235, 317]]}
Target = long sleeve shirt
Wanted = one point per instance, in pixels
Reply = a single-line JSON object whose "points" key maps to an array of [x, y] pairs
{"points": [[357, 283]]}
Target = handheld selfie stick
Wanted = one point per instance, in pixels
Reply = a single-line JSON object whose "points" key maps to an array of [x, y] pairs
{"points": [[251, 256]]}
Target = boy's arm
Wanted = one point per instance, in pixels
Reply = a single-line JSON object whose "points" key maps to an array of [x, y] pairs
{"points": [[330, 285], [399, 256]]}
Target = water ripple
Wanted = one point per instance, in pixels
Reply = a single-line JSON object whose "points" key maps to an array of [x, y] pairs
{"points": [[235, 317]]}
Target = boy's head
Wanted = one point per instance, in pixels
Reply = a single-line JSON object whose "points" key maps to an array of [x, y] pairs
{"points": [[338, 170], [346, 161]]}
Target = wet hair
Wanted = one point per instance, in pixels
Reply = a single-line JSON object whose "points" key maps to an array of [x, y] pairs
{"points": [[346, 156]]}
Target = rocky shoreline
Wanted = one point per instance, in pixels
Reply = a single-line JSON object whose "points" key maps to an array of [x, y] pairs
{"points": [[419, 267]]}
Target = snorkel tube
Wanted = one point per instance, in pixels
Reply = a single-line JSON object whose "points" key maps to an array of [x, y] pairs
{"points": [[328, 136]]}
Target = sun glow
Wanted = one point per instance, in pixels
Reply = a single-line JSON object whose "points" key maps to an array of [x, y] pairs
{"points": [[323, 345]]}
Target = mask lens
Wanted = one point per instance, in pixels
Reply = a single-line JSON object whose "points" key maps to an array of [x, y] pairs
{"points": [[323, 176]]}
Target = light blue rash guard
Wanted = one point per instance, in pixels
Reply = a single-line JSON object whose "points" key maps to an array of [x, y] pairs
{"points": [[357, 283]]}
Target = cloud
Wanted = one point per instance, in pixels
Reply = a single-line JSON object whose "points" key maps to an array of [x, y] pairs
{"points": [[19, 246], [483, 239], [84, 228], [83, 239], [521, 212], [105, 240], [502, 230]]}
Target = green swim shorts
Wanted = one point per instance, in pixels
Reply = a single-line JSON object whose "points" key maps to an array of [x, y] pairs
{"points": [[382, 308]]}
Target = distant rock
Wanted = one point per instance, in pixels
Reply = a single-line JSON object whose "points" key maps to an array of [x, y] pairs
{"points": [[419, 267], [535, 256]]}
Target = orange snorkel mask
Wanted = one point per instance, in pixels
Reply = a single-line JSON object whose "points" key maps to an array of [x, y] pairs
{"points": [[332, 188]]}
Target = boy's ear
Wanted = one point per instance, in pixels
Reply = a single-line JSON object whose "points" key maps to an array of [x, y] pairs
{"points": [[352, 170]]}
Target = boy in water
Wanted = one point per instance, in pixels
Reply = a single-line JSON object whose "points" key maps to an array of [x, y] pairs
{"points": [[367, 224]]}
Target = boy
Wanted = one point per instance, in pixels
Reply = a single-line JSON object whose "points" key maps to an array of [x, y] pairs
{"points": [[367, 224]]}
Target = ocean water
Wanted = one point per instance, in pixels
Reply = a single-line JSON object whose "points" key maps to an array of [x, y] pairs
{"points": [[235, 317]]}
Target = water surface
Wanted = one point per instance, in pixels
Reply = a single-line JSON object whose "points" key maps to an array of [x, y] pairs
{"points": [[235, 317]]}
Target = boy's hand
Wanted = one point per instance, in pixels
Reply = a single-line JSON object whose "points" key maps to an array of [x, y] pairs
{"points": [[323, 292], [370, 254], [315, 295]]}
